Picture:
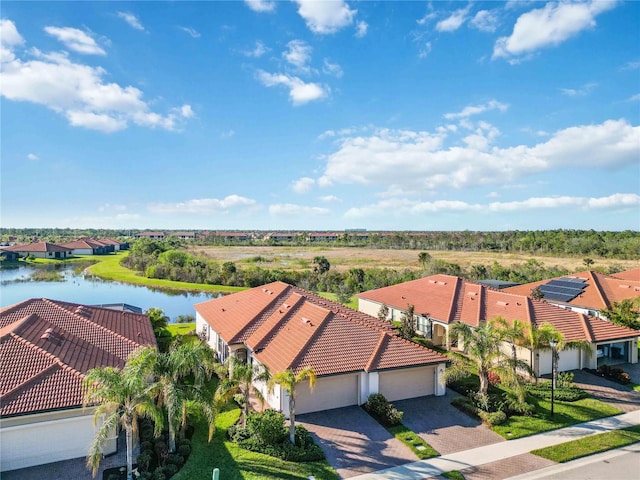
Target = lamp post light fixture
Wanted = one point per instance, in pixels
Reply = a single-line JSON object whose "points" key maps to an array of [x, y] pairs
{"points": [[553, 344]]}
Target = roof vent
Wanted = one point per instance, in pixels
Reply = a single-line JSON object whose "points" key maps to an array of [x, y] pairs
{"points": [[432, 281], [307, 321], [442, 283], [625, 286], [502, 304]]}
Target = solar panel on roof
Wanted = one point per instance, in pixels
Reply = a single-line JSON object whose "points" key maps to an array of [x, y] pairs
{"points": [[555, 288], [564, 283], [562, 297]]}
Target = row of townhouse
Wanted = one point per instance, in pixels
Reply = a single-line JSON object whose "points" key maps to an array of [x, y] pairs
{"points": [[82, 246]]}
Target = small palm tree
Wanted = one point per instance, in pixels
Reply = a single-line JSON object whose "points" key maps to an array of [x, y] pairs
{"points": [[181, 375], [540, 338], [515, 333], [122, 396], [242, 378], [482, 346], [288, 380]]}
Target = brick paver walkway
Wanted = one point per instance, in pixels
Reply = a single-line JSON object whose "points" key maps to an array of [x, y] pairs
{"points": [[607, 391], [443, 426], [355, 443]]}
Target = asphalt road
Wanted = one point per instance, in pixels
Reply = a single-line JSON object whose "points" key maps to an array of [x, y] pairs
{"points": [[619, 464]]}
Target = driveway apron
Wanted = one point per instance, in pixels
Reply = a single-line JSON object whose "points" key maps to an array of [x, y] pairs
{"points": [[443, 426], [355, 443], [607, 391]]}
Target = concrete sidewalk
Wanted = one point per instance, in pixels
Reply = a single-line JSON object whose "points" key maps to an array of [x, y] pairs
{"points": [[500, 451]]}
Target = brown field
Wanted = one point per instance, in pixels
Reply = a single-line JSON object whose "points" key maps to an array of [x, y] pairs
{"points": [[343, 258]]}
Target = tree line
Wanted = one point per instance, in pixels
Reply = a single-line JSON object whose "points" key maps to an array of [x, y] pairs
{"points": [[624, 245], [166, 260]]}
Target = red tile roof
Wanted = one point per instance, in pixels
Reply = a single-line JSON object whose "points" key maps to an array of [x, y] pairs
{"points": [[628, 275], [449, 299], [600, 292], [290, 328], [37, 247], [47, 346], [83, 243]]}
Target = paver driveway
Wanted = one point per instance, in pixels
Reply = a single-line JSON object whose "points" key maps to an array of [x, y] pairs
{"points": [[443, 426], [355, 443]]}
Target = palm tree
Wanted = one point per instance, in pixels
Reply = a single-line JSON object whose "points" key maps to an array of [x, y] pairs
{"points": [[242, 378], [540, 338], [288, 380], [515, 333], [122, 396], [482, 346], [181, 375]]}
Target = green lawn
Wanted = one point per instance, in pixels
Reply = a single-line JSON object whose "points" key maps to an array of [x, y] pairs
{"points": [[566, 414], [236, 463], [590, 445], [416, 444], [176, 329], [332, 296], [109, 268]]}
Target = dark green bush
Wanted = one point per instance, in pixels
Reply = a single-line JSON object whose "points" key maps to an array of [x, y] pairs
{"points": [[170, 470], [383, 411], [268, 426], [158, 474], [143, 461], [175, 459], [184, 450], [565, 394]]}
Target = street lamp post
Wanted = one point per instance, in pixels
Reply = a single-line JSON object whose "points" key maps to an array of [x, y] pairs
{"points": [[553, 344]]}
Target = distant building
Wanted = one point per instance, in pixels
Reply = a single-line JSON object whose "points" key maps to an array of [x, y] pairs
{"points": [[40, 250]]}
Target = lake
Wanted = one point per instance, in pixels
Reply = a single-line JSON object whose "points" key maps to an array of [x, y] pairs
{"points": [[90, 290]]}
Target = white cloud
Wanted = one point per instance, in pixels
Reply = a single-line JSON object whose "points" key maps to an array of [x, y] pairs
{"points": [[470, 110], [631, 65], [325, 17], [299, 91], [454, 21], [191, 31], [492, 195], [79, 92], [203, 205], [257, 51], [549, 26], [293, 209], [361, 29], [485, 21], [303, 185], [634, 98], [9, 36], [76, 40], [332, 68], [403, 161], [298, 54], [424, 50], [32, 156], [427, 18], [579, 92], [261, 5], [405, 206], [330, 199], [227, 134], [131, 19]]}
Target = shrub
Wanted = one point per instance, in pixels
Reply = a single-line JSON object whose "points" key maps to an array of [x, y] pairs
{"points": [[566, 394], [492, 418], [378, 406], [175, 459], [143, 461], [184, 450], [564, 380], [146, 445], [158, 474], [267, 427], [170, 470]]}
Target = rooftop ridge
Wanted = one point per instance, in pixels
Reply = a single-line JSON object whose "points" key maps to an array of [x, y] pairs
{"points": [[271, 305], [454, 300], [345, 312], [598, 286], [586, 327], [375, 356], [311, 339], [261, 342], [24, 385]]}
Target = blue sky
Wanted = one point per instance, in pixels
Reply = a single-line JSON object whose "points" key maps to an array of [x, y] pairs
{"points": [[321, 115]]}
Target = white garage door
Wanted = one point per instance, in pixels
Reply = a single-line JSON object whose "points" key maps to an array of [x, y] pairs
{"points": [[330, 392], [407, 383], [44, 442]]}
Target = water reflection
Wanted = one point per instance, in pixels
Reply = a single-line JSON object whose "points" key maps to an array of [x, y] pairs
{"points": [[79, 287]]}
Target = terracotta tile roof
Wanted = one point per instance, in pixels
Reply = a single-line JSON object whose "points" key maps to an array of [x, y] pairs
{"points": [[628, 275], [83, 243], [600, 292], [288, 327], [37, 247], [47, 346], [449, 299], [109, 241]]}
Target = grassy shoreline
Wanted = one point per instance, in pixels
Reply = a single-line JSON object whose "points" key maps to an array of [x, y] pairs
{"points": [[109, 268]]}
